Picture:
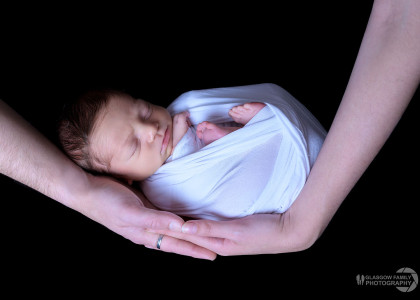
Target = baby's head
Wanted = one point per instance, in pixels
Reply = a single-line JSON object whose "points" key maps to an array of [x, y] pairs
{"points": [[110, 132]]}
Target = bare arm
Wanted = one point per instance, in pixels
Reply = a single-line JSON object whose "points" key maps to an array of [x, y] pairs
{"points": [[30, 158], [384, 79]]}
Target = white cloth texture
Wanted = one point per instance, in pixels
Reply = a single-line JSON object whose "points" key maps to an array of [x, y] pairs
{"points": [[259, 168]]}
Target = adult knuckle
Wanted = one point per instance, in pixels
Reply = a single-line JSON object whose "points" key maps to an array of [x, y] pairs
{"points": [[206, 228], [153, 223]]}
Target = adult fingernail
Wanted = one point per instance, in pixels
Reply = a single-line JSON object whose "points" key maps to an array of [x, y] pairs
{"points": [[189, 228], [175, 226]]}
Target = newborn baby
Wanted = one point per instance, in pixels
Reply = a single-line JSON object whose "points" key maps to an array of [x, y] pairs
{"points": [[214, 154], [111, 132]]}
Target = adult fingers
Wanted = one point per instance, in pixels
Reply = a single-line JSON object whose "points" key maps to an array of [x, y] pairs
{"points": [[170, 244], [211, 243], [154, 222], [210, 228], [153, 219]]}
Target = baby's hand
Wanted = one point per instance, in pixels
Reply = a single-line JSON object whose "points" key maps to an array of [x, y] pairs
{"points": [[180, 126]]}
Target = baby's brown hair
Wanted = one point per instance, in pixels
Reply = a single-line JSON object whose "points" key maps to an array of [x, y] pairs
{"points": [[77, 124]]}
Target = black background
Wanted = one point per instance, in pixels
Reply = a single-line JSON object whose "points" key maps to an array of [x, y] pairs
{"points": [[49, 55]]}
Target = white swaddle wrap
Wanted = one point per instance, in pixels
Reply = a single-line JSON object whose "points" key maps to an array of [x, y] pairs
{"points": [[259, 168]]}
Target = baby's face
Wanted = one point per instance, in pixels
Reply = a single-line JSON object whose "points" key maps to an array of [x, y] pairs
{"points": [[134, 136]]}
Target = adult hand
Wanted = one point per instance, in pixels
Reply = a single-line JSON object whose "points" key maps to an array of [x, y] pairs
{"points": [[128, 213], [294, 230], [255, 234]]}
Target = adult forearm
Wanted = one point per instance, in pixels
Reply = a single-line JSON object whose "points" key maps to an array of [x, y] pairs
{"points": [[384, 79], [28, 157]]}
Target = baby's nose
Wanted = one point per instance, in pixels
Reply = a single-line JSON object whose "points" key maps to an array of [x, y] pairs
{"points": [[151, 131]]}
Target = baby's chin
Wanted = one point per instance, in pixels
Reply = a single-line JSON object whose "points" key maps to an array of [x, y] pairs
{"points": [[168, 153], [144, 176]]}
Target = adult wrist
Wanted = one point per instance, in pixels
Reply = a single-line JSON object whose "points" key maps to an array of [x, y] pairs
{"points": [[74, 187]]}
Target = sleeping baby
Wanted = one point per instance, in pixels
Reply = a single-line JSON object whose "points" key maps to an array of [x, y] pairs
{"points": [[216, 154]]}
